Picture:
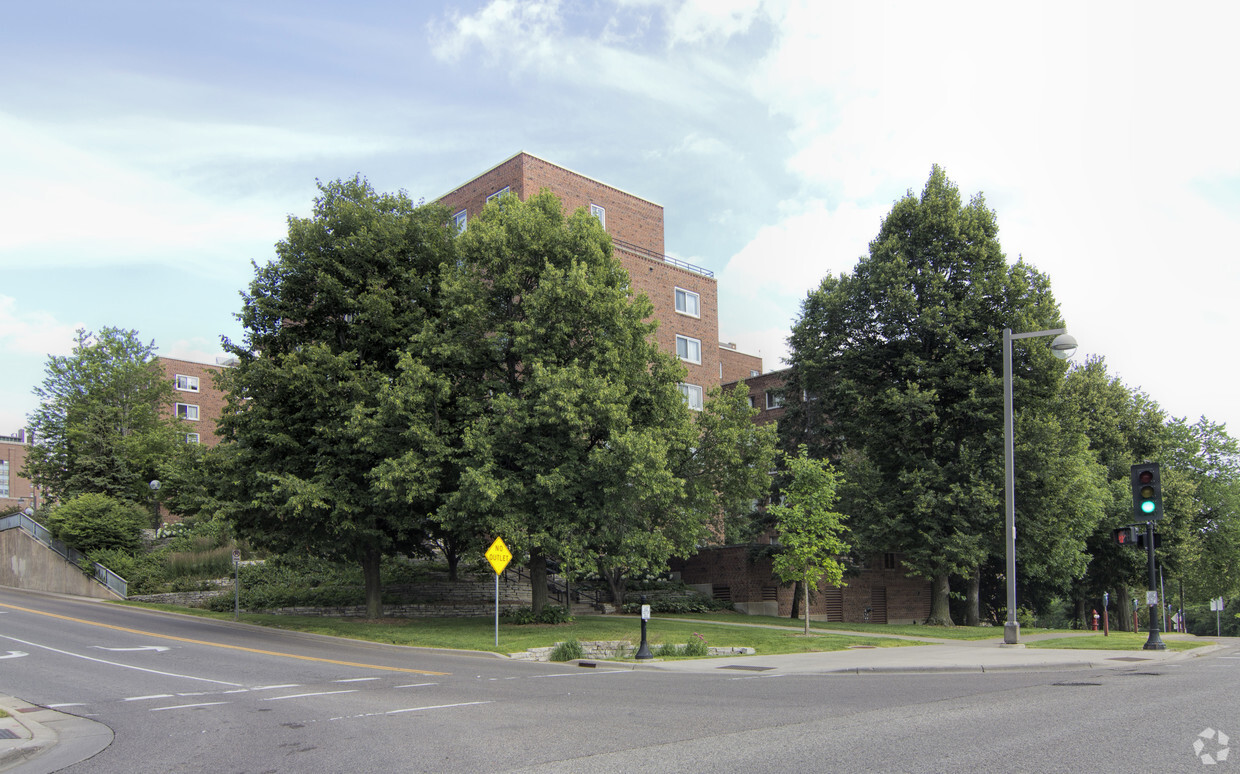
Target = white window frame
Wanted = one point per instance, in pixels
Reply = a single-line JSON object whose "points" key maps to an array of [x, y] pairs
{"points": [[753, 401], [697, 302], [498, 194], [193, 438], [459, 220], [773, 401], [693, 395], [4, 479], [189, 383], [754, 372], [690, 343], [187, 411], [600, 213]]}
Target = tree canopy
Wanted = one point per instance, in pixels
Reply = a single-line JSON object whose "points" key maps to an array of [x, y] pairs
{"points": [[897, 372], [103, 422]]}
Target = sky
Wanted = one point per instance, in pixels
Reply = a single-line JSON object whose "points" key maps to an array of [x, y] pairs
{"points": [[151, 152]]}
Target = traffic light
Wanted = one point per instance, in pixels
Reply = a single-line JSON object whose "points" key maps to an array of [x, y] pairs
{"points": [[1127, 536], [1146, 492]]}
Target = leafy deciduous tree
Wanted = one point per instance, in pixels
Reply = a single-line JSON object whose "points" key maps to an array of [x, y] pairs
{"points": [[810, 530]]}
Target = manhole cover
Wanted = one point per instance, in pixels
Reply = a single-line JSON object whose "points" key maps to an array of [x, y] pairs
{"points": [[745, 668]]}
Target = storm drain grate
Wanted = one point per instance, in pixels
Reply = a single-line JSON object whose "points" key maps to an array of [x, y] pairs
{"points": [[745, 668], [7, 734]]}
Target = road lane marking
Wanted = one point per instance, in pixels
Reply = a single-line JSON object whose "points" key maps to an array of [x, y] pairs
{"points": [[415, 685], [14, 654], [356, 680], [147, 698], [186, 706], [409, 709], [274, 687], [221, 644], [156, 648], [115, 664], [305, 695], [62, 706]]}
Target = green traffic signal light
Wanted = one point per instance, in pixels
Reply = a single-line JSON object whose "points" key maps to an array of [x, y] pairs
{"points": [[1147, 492]]}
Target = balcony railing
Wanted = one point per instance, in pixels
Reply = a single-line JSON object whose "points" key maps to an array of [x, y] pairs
{"points": [[644, 253]]}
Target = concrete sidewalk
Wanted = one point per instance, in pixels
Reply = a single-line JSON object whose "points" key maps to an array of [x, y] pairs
{"points": [[36, 740]]}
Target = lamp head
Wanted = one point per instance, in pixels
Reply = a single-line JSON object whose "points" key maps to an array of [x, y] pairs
{"points": [[1063, 346]]}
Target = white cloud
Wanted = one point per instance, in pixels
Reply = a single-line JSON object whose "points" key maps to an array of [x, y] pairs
{"points": [[26, 332], [502, 29], [792, 256], [698, 21]]}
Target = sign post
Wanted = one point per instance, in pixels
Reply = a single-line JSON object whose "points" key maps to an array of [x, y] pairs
{"points": [[499, 556], [236, 584]]}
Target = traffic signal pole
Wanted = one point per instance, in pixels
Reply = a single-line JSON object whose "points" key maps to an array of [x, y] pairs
{"points": [[1154, 642]]}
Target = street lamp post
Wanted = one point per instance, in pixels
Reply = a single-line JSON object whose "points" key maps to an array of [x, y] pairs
{"points": [[1062, 347]]}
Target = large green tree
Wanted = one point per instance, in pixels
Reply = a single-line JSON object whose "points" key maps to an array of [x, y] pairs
{"points": [[576, 442], [330, 443], [103, 421], [897, 372]]}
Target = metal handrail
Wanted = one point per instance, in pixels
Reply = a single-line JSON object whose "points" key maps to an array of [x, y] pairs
{"points": [[632, 248], [42, 534], [557, 588]]}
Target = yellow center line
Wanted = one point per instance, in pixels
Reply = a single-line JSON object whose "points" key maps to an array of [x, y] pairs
{"points": [[222, 645]]}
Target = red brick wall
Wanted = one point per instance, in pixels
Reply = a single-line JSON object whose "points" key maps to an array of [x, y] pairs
{"points": [[737, 365], [759, 386], [748, 580], [209, 400], [14, 453]]}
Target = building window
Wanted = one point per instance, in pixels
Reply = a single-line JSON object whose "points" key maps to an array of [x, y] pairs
{"points": [[693, 395], [497, 194], [753, 372], [4, 478], [599, 213], [689, 349], [774, 400], [192, 438], [688, 302], [889, 561], [458, 220], [753, 402], [187, 383], [187, 411]]}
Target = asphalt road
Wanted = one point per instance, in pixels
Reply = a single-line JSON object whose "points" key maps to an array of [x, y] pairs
{"points": [[193, 695]]}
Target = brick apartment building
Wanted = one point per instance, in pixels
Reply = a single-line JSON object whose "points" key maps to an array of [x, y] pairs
{"points": [[16, 493], [196, 399], [685, 297]]}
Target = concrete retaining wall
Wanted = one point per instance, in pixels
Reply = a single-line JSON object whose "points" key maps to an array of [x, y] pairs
{"points": [[25, 563]]}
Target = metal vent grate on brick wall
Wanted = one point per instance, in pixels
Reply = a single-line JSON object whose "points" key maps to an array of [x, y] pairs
{"points": [[722, 593]]}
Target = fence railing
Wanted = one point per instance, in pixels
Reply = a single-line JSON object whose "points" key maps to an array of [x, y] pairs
{"points": [[632, 248], [558, 589], [43, 535]]}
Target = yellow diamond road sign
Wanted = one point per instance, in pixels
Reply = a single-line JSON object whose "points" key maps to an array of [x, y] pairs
{"points": [[498, 555]]}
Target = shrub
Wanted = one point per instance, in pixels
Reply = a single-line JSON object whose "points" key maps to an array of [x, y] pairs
{"points": [[696, 647], [567, 651], [551, 614], [143, 573], [93, 522]]}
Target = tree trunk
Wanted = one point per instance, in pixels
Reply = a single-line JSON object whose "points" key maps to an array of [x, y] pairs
{"points": [[538, 580], [616, 582], [1122, 619], [940, 611], [374, 588], [453, 557], [1080, 614], [973, 595], [796, 601]]}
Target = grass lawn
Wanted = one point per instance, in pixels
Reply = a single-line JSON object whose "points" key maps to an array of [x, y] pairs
{"points": [[479, 633], [1117, 641], [928, 632]]}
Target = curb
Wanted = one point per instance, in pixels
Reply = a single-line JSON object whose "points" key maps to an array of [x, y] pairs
{"points": [[47, 740], [30, 737]]}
